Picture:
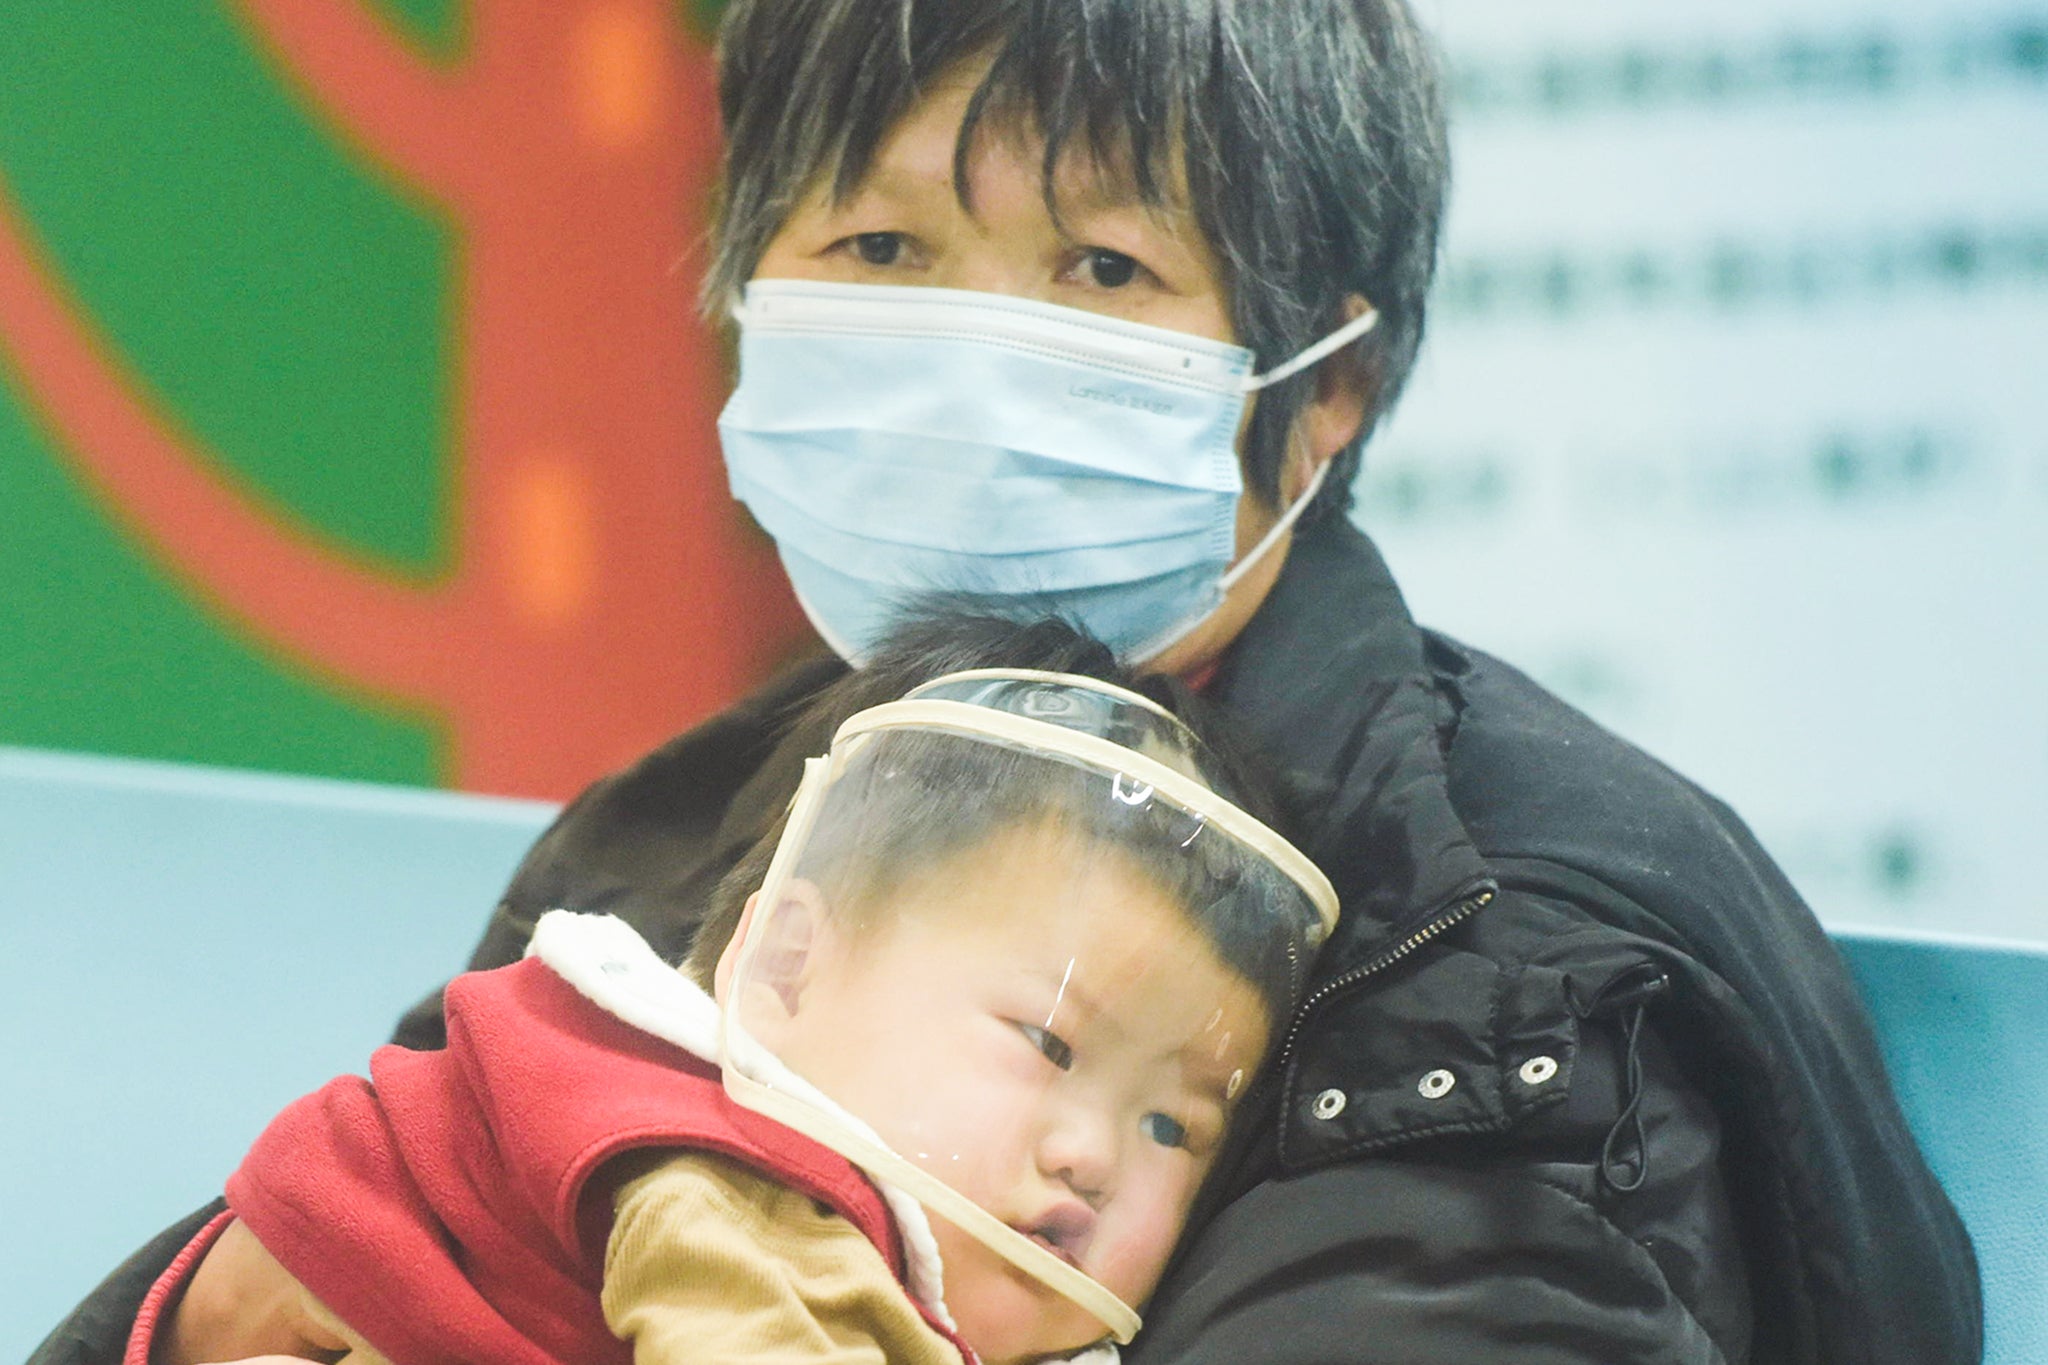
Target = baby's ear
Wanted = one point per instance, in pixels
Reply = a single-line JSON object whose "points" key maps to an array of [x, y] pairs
{"points": [[786, 953], [729, 958]]}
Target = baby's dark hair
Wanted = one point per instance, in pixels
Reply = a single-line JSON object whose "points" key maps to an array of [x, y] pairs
{"points": [[926, 796]]}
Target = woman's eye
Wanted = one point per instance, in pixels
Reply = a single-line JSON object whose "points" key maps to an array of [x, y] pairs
{"points": [[1108, 269], [1050, 1045], [878, 248], [1164, 1130]]}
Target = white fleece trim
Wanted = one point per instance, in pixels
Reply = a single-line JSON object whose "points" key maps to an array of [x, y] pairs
{"points": [[1101, 1353], [615, 969]]}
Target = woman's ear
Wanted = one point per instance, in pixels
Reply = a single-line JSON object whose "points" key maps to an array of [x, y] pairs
{"points": [[786, 955], [1345, 383]]}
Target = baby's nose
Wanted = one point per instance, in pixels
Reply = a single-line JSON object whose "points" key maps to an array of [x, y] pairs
{"points": [[1079, 1148]]}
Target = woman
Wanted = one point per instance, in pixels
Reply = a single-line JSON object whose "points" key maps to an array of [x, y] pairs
{"points": [[1090, 307]]}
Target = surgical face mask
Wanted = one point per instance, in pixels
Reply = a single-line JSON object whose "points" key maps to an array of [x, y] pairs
{"points": [[901, 443], [1017, 958]]}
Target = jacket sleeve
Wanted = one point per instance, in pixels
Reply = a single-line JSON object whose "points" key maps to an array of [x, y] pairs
{"points": [[1534, 1246], [96, 1332], [1394, 1263]]}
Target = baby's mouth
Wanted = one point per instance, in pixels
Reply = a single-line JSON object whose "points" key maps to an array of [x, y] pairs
{"points": [[1065, 1230]]}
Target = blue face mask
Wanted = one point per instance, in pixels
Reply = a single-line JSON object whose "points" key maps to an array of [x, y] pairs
{"points": [[900, 442]]}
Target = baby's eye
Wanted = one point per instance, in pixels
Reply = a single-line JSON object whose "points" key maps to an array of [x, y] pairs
{"points": [[1106, 269], [1164, 1129], [1050, 1044]]}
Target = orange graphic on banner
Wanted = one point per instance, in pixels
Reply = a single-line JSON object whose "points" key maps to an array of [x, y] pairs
{"points": [[604, 590]]}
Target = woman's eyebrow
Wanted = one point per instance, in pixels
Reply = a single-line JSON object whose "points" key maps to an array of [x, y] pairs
{"points": [[1081, 194], [1088, 194], [888, 186], [1084, 180]]}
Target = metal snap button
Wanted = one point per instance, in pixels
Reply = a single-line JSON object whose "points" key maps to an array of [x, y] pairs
{"points": [[1537, 1070], [1328, 1105], [1436, 1084]]}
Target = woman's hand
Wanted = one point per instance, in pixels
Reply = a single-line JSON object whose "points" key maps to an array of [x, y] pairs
{"points": [[242, 1306]]}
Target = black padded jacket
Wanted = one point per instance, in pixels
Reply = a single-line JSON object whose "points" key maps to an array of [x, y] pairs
{"points": [[1582, 1081]]}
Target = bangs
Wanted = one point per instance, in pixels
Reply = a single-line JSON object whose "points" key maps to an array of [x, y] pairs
{"points": [[1112, 82]]}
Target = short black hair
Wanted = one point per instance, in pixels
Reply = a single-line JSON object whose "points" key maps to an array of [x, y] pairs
{"points": [[1310, 137], [938, 798]]}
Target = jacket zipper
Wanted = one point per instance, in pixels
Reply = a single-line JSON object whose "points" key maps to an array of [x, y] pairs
{"points": [[1463, 908]]}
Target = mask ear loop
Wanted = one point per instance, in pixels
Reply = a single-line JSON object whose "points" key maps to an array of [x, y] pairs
{"points": [[1322, 350], [1173, 635], [1342, 337], [1279, 528]]}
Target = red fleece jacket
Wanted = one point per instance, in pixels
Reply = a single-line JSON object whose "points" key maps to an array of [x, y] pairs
{"points": [[454, 1208]]}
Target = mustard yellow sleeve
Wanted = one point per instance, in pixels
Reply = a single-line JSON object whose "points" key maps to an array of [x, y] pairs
{"points": [[710, 1260]]}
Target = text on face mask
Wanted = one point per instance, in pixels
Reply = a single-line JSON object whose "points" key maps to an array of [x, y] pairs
{"points": [[1121, 400]]}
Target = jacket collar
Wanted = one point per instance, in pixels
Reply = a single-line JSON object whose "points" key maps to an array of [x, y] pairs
{"points": [[1332, 678]]}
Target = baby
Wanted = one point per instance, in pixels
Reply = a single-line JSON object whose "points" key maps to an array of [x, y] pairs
{"points": [[1011, 959]]}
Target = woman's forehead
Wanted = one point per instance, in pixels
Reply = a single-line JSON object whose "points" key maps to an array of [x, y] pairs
{"points": [[1086, 150]]}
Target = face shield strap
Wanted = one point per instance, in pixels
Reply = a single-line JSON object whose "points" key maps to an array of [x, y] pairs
{"points": [[843, 1135], [1134, 769]]}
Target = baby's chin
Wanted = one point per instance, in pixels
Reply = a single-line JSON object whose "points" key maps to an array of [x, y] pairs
{"points": [[1004, 1314]]}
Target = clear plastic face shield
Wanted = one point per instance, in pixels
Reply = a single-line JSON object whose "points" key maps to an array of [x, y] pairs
{"points": [[1016, 958]]}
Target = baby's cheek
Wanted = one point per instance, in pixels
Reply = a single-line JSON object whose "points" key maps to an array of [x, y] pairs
{"points": [[1133, 1247], [1003, 1313]]}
